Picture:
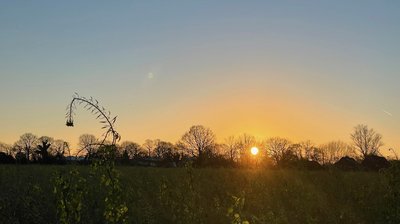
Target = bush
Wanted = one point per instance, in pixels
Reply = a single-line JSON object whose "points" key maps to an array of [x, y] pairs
{"points": [[310, 165], [6, 159], [375, 163], [393, 193], [347, 163]]}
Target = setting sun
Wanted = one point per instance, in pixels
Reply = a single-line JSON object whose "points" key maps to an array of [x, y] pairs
{"points": [[254, 150]]}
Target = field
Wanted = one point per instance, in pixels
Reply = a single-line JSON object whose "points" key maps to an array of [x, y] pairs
{"points": [[187, 195]]}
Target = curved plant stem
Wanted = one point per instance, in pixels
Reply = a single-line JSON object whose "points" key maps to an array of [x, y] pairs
{"points": [[93, 105]]}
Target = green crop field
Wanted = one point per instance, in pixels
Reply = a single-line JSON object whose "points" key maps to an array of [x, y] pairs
{"points": [[187, 195]]}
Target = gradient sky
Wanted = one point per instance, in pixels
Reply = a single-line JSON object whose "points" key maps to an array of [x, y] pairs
{"points": [[295, 69]]}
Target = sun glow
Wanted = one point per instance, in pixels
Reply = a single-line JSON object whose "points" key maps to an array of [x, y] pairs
{"points": [[254, 150]]}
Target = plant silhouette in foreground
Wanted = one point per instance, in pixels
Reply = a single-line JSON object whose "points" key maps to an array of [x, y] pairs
{"points": [[100, 112], [103, 171]]}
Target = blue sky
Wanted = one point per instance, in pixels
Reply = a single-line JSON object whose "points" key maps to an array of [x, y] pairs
{"points": [[298, 69]]}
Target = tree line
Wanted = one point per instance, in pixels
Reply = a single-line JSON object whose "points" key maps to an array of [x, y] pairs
{"points": [[199, 146]]}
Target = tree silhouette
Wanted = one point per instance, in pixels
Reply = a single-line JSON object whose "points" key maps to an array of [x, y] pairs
{"points": [[366, 140], [131, 150], [396, 155], [42, 150], [60, 148], [335, 150], [198, 139], [6, 148], [27, 142], [149, 145], [88, 143], [244, 144], [278, 148], [306, 149], [164, 150], [6, 153], [231, 148]]}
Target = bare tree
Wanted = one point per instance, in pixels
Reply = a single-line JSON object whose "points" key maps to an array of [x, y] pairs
{"points": [[198, 139], [60, 147], [27, 142], [150, 145], [164, 150], [6, 148], [218, 149], [244, 143], [366, 140], [307, 149], [335, 150], [277, 148], [89, 144], [231, 147], [17, 149], [396, 155], [45, 138], [132, 149], [181, 150], [298, 150]]}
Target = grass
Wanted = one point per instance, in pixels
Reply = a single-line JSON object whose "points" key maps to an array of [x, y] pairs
{"points": [[186, 195]]}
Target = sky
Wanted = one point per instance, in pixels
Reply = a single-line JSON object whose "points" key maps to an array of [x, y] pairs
{"points": [[295, 69]]}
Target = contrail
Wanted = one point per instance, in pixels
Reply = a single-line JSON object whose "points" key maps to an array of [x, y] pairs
{"points": [[388, 113]]}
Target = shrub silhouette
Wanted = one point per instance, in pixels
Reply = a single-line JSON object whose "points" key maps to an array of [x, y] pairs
{"points": [[375, 163], [309, 165], [20, 157], [392, 195], [43, 151], [288, 160], [347, 163], [6, 159]]}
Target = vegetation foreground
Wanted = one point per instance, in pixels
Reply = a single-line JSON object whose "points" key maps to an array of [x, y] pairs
{"points": [[188, 195]]}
